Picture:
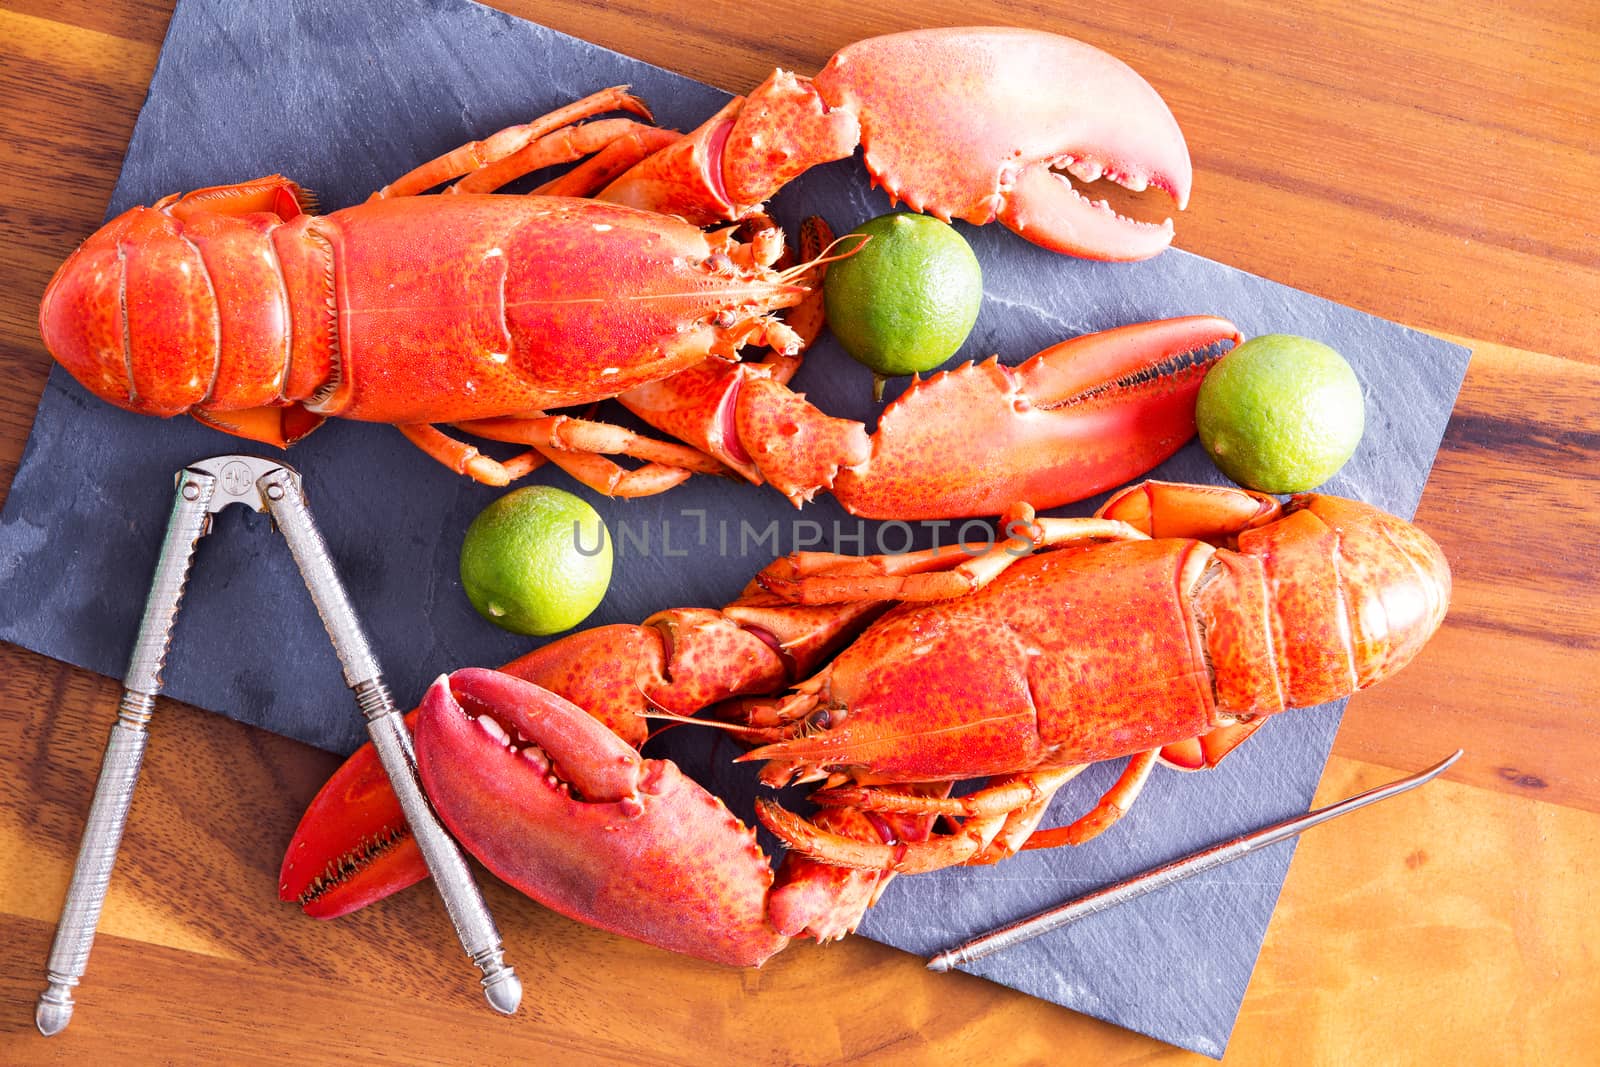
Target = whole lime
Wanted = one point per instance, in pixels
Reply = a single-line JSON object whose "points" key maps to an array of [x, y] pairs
{"points": [[536, 561], [1280, 413], [907, 299]]}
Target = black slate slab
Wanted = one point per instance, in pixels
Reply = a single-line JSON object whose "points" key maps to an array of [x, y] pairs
{"points": [[344, 97]]}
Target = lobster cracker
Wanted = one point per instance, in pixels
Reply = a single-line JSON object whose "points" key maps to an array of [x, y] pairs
{"points": [[204, 488]]}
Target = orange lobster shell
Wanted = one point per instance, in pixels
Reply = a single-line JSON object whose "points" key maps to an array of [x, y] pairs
{"points": [[1168, 628], [237, 305]]}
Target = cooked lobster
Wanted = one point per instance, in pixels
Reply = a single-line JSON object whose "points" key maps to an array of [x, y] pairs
{"points": [[1167, 628], [237, 305]]}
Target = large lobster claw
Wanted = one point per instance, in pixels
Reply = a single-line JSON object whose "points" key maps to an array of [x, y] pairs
{"points": [[973, 123], [559, 807], [1078, 418]]}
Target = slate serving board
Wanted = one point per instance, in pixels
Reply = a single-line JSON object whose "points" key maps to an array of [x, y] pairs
{"points": [[343, 97]]}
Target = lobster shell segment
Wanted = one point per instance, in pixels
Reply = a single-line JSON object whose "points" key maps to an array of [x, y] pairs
{"points": [[559, 807], [135, 286], [1375, 585], [973, 124]]}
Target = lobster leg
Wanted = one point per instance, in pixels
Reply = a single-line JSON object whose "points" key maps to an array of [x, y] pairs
{"points": [[595, 173], [810, 839], [1016, 794], [966, 572], [465, 459], [1011, 793], [1020, 824], [566, 145], [604, 476], [476, 155], [998, 819], [1111, 807], [1019, 801], [569, 434]]}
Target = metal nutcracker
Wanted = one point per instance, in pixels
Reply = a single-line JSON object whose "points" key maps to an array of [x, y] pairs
{"points": [[204, 488]]}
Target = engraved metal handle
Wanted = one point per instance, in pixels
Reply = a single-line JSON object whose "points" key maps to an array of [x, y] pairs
{"points": [[108, 813], [470, 916]]}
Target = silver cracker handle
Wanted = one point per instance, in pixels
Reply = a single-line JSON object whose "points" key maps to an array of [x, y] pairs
{"points": [[119, 771], [285, 500]]}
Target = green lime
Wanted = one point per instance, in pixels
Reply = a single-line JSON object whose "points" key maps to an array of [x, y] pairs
{"points": [[907, 300], [1280, 414], [536, 561]]}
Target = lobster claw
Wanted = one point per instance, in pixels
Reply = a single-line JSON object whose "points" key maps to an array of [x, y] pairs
{"points": [[1078, 418], [976, 124], [353, 845], [562, 809]]}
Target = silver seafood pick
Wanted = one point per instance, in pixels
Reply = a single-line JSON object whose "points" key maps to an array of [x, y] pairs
{"points": [[204, 488], [1160, 877]]}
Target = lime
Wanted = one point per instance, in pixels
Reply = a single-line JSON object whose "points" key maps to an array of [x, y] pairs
{"points": [[536, 561], [907, 300], [1280, 413]]}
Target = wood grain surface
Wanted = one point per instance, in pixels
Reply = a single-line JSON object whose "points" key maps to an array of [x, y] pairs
{"points": [[1433, 163]]}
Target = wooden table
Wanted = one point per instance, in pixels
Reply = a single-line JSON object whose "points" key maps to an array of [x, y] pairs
{"points": [[1437, 163]]}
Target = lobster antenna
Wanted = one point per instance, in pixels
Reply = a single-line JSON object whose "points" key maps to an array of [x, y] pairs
{"points": [[828, 255], [690, 720]]}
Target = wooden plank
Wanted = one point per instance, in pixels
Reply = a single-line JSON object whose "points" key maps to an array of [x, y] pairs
{"points": [[1418, 931], [1473, 214], [134, 21], [1423, 877]]}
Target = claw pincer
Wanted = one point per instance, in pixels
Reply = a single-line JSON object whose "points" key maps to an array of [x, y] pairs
{"points": [[979, 123], [600, 833]]}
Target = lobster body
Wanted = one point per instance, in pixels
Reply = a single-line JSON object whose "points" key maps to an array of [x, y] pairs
{"points": [[1167, 629], [237, 306], [1093, 652], [225, 313]]}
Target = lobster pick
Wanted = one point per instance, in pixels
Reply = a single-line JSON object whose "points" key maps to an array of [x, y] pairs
{"points": [[1160, 877], [203, 489]]}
